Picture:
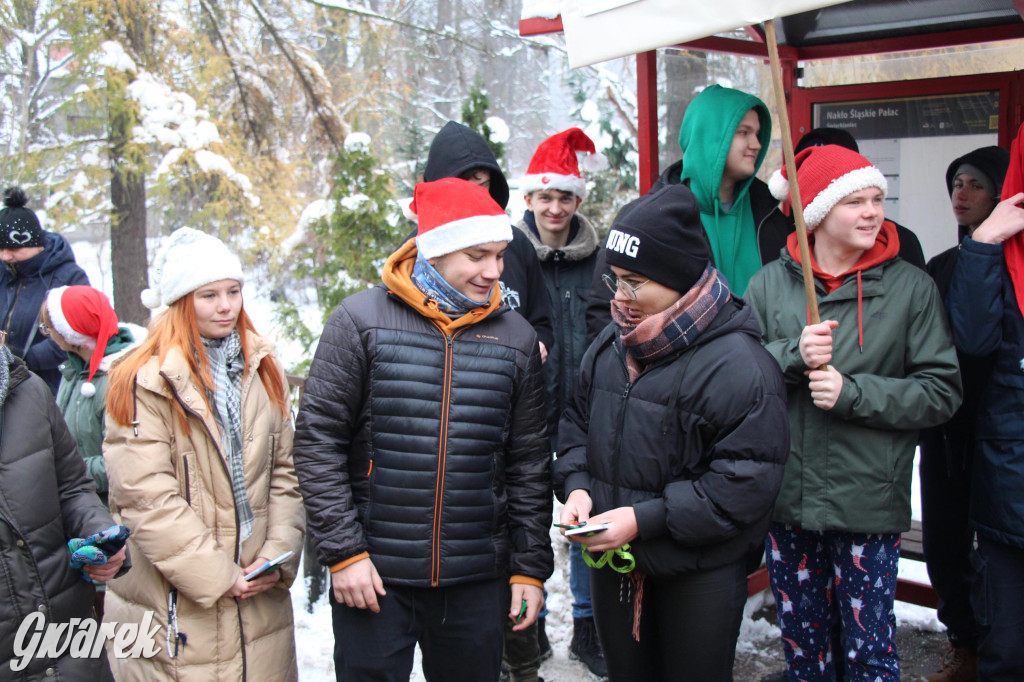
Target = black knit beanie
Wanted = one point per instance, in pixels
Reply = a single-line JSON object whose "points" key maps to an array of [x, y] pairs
{"points": [[992, 161], [819, 137], [19, 226], [661, 237]]}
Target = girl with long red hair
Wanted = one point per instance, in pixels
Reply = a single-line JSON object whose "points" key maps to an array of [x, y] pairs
{"points": [[198, 454]]}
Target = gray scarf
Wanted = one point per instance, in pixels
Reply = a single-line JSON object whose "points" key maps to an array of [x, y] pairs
{"points": [[5, 373], [227, 366]]}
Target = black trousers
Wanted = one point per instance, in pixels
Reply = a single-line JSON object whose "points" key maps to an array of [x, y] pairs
{"points": [[998, 598], [458, 629], [688, 624], [947, 538]]}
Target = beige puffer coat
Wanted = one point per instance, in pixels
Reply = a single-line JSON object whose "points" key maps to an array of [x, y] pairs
{"points": [[173, 490]]}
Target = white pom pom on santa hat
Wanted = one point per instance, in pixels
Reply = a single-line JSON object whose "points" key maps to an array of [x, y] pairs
{"points": [[88, 389], [150, 298]]}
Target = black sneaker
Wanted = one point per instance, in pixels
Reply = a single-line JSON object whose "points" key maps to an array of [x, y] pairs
{"points": [[542, 640], [586, 648]]}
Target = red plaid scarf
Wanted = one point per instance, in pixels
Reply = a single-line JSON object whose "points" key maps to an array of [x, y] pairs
{"points": [[645, 339]]}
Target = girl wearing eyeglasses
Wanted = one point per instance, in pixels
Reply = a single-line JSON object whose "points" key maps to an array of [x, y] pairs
{"points": [[676, 438]]}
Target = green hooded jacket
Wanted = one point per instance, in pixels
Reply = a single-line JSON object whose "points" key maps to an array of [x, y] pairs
{"points": [[84, 414], [850, 468], [705, 137]]}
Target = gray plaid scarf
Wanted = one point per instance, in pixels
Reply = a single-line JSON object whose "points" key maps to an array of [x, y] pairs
{"points": [[228, 365]]}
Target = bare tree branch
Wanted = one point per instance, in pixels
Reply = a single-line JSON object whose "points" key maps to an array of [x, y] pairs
{"points": [[314, 98], [343, 6], [249, 118]]}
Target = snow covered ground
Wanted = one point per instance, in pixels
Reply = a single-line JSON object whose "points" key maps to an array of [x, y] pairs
{"points": [[313, 635]]}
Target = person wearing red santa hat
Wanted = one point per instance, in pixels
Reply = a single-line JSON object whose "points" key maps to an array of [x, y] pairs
{"points": [[567, 247], [878, 367], [82, 322], [421, 453]]}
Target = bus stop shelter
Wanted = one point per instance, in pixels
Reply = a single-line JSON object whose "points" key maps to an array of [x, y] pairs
{"points": [[909, 128], [932, 118]]}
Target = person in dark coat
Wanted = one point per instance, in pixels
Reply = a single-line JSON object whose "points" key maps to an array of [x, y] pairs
{"points": [[985, 310], [724, 138], [35, 261], [675, 437], [46, 499], [567, 246], [974, 182], [422, 457], [458, 151]]}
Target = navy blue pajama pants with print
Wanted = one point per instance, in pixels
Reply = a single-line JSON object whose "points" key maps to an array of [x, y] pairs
{"points": [[819, 576]]}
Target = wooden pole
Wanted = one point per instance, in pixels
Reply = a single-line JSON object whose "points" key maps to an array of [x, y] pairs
{"points": [[787, 155]]}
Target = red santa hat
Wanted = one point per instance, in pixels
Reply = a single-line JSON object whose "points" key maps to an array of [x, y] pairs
{"points": [[826, 175], [83, 317], [456, 214], [554, 165]]}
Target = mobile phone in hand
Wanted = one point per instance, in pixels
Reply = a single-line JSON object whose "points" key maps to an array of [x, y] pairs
{"points": [[269, 566], [587, 530]]}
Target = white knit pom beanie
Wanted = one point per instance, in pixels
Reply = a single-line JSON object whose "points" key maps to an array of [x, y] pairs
{"points": [[188, 260]]}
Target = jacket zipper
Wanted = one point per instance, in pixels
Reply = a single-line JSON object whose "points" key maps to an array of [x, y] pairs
{"points": [[618, 442], [216, 445], [17, 295], [188, 484], [435, 548]]}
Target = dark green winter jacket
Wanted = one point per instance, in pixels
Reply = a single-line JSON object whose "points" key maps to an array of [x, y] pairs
{"points": [[84, 414], [567, 276], [850, 467]]}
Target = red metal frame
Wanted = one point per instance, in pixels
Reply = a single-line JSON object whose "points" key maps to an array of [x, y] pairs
{"points": [[537, 26], [1010, 86], [647, 118], [800, 100]]}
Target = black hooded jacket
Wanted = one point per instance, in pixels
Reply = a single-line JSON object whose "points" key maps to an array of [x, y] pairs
{"points": [[954, 441], [696, 445], [456, 149]]}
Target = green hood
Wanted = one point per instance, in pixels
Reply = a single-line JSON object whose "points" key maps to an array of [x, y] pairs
{"points": [[706, 135]]}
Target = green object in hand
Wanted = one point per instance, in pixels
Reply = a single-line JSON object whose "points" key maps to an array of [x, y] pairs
{"points": [[522, 612], [626, 562]]}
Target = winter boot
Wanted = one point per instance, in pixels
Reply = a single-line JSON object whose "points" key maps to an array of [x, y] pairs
{"points": [[586, 648], [542, 640], [959, 664]]}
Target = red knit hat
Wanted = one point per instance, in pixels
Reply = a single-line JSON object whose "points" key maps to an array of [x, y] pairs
{"points": [[455, 214], [554, 165], [826, 175], [83, 316]]}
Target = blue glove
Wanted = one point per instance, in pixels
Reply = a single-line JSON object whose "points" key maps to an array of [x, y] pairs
{"points": [[97, 549]]}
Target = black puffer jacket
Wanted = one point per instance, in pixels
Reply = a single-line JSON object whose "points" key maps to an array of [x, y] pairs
{"points": [[567, 275], [696, 445], [46, 498], [426, 450], [773, 228]]}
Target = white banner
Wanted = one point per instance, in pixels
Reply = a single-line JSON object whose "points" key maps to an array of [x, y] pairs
{"points": [[596, 30]]}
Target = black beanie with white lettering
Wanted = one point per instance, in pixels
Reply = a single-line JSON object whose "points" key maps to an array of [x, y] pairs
{"points": [[660, 236]]}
